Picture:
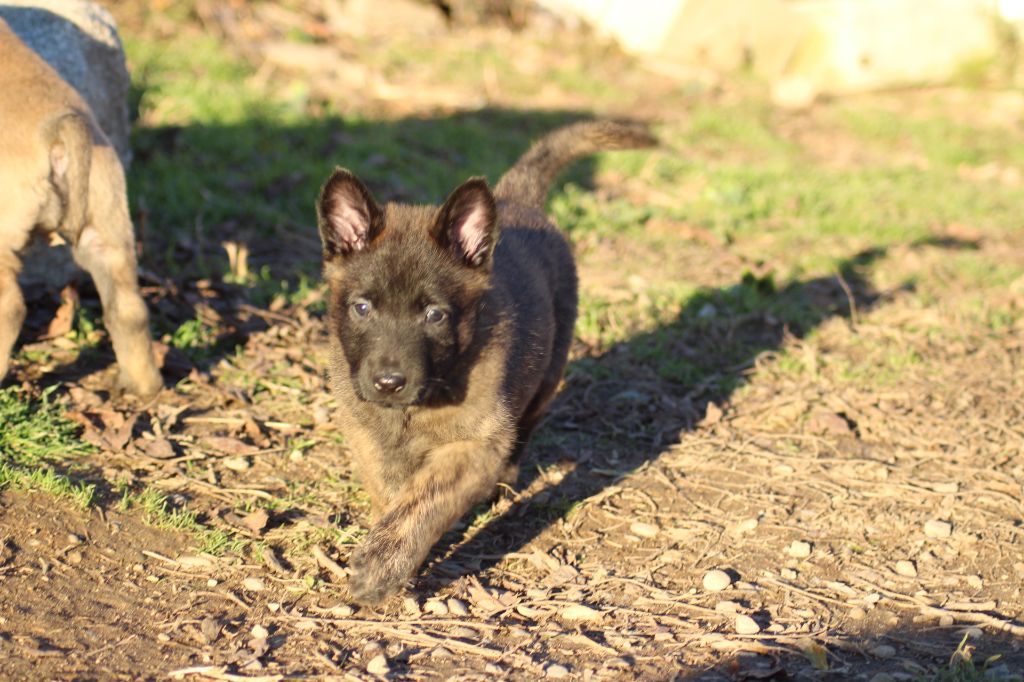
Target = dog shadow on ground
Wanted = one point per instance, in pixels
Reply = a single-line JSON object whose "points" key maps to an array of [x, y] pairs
{"points": [[625, 407]]}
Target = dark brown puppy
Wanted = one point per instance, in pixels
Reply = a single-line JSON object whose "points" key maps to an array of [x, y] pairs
{"points": [[448, 342]]}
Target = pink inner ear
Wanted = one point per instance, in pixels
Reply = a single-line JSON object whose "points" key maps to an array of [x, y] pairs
{"points": [[471, 232], [349, 223]]}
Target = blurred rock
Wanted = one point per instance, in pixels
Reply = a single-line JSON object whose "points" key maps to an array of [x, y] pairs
{"points": [[79, 40], [803, 47]]}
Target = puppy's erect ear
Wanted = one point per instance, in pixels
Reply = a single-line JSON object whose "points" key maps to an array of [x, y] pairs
{"points": [[348, 217], [467, 223]]}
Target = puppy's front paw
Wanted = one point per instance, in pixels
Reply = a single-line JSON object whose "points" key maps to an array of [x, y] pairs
{"points": [[378, 572]]}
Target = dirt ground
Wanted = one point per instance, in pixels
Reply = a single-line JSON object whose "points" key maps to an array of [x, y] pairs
{"points": [[752, 523]]}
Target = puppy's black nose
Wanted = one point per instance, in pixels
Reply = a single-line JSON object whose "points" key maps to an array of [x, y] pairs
{"points": [[389, 382]]}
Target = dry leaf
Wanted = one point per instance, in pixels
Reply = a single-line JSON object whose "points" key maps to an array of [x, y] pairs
{"points": [[227, 445], [482, 599], [713, 415], [815, 653], [256, 521], [64, 319], [160, 448]]}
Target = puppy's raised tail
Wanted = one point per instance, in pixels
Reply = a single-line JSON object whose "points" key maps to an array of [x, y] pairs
{"points": [[530, 179], [70, 143]]}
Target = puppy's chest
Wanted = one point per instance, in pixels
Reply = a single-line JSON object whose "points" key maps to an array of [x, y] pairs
{"points": [[398, 442]]}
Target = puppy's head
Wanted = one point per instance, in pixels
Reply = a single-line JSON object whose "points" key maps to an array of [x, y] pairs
{"points": [[405, 285]]}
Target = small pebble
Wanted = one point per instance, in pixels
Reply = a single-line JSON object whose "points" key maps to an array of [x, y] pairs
{"points": [[440, 652], [260, 632], [975, 582], [253, 584], [946, 621], [745, 625], [74, 557], [883, 651], [457, 607], [435, 607], [782, 470], [493, 669], [938, 529], [579, 612], [745, 526], [74, 539], [378, 665], [463, 632], [716, 581], [556, 672], [163, 637], [799, 549], [788, 574], [906, 569], [644, 530], [857, 613], [236, 463], [342, 611], [273, 607], [971, 633], [212, 582], [727, 607]]}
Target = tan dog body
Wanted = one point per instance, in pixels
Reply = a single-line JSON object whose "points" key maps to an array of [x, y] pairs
{"points": [[59, 175]]}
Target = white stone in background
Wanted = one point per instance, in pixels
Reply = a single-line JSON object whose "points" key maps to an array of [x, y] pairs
{"points": [[805, 47]]}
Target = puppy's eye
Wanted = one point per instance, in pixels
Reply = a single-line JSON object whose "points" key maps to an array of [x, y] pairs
{"points": [[361, 308], [434, 314]]}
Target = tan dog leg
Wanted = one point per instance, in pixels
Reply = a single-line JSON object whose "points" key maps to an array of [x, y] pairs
{"points": [[112, 266], [12, 308]]}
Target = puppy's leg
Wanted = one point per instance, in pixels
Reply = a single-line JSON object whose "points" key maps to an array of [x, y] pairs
{"points": [[454, 478], [111, 264], [12, 308]]}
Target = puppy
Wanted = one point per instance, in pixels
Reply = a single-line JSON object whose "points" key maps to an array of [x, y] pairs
{"points": [[449, 329], [60, 176]]}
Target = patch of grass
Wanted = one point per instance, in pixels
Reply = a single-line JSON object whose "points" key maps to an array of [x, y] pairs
{"points": [[963, 668], [877, 364], [194, 338], [47, 481], [158, 512], [34, 430], [301, 540], [943, 142], [34, 437]]}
